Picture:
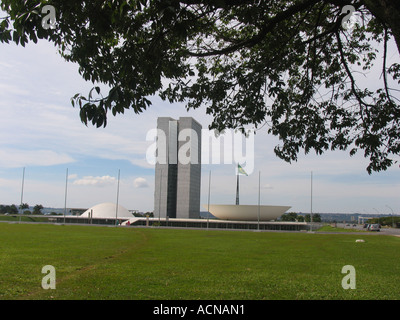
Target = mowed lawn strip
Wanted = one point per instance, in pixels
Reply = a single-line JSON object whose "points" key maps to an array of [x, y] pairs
{"points": [[156, 263]]}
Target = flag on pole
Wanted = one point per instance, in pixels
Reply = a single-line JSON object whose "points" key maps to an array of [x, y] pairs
{"points": [[241, 170]]}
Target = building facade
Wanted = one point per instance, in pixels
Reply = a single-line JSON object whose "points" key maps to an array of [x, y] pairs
{"points": [[178, 168]]}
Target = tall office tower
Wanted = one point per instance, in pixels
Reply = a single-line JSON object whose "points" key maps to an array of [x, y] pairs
{"points": [[178, 168], [189, 169]]}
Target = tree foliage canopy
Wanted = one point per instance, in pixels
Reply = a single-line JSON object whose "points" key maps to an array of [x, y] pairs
{"points": [[290, 66]]}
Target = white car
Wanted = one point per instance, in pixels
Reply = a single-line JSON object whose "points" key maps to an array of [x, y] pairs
{"points": [[374, 227]]}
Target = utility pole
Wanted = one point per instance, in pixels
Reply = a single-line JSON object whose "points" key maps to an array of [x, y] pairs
{"points": [[116, 208], [209, 187], [311, 211], [259, 187], [392, 215], [65, 198], [22, 189]]}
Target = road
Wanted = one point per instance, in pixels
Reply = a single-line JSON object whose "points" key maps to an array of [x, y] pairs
{"points": [[358, 227]]}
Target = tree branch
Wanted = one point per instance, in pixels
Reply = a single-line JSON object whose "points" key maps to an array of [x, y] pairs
{"points": [[384, 67], [353, 84], [270, 25]]}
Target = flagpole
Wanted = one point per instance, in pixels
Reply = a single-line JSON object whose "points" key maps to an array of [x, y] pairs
{"points": [[239, 171], [237, 189]]}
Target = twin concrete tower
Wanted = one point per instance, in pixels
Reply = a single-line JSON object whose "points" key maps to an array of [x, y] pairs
{"points": [[178, 168]]}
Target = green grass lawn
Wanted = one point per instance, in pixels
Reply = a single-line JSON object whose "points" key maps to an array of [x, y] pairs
{"points": [[151, 263], [23, 218], [328, 228]]}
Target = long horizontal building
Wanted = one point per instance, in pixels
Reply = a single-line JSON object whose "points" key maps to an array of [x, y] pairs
{"points": [[186, 223], [222, 224]]}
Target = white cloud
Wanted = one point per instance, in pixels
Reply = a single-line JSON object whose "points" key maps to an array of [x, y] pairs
{"points": [[140, 183], [13, 89], [266, 186], [95, 181], [15, 158], [142, 162]]}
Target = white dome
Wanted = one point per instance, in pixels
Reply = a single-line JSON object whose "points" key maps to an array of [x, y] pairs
{"points": [[107, 210], [246, 212]]}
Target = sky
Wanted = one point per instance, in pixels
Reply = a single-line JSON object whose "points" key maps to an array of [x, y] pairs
{"points": [[41, 132]]}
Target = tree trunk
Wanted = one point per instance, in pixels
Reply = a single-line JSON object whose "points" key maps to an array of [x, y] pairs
{"points": [[388, 11]]}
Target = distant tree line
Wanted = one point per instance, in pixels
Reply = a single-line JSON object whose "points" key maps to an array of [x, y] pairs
{"points": [[13, 209], [24, 207], [386, 221], [293, 216], [143, 214]]}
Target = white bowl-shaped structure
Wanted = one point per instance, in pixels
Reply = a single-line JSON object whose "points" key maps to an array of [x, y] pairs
{"points": [[107, 210], [246, 212]]}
